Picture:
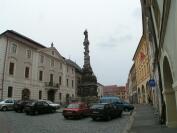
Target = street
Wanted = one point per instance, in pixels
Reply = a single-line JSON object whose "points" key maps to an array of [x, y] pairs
{"points": [[55, 123]]}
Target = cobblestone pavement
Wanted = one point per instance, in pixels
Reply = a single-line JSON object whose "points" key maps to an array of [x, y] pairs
{"points": [[55, 123]]}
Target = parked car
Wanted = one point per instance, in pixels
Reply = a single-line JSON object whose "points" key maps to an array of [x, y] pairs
{"points": [[127, 107], [76, 110], [7, 104], [19, 106], [55, 105], [105, 111], [115, 100], [38, 107]]}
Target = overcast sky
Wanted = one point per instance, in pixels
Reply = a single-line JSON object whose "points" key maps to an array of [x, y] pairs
{"points": [[114, 30]]}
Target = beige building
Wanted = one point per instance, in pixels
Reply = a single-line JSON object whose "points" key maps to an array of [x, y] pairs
{"points": [[29, 70], [131, 85], [141, 59]]}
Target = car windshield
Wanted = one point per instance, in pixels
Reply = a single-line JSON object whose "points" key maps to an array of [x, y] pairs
{"points": [[106, 100], [73, 106], [31, 103], [100, 106], [49, 102]]}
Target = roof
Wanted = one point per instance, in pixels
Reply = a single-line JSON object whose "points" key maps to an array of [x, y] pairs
{"points": [[99, 84], [138, 47], [77, 67], [9, 32]]}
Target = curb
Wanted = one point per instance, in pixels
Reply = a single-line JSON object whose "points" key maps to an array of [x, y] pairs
{"points": [[130, 122]]}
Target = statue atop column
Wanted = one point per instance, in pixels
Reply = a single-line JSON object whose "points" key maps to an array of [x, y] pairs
{"points": [[88, 86]]}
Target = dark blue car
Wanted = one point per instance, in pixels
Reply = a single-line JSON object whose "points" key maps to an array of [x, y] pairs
{"points": [[119, 103]]}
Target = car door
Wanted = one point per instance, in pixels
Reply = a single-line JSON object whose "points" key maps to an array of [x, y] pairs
{"points": [[9, 103], [86, 109], [46, 107], [39, 107]]}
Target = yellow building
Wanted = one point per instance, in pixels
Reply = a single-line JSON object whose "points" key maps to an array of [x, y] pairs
{"points": [[142, 69]]}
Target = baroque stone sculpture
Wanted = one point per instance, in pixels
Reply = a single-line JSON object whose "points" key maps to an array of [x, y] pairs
{"points": [[88, 86]]}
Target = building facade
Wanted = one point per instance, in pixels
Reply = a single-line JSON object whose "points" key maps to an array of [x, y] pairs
{"points": [[164, 14], [142, 68], [29, 70], [131, 85], [161, 32], [114, 90]]}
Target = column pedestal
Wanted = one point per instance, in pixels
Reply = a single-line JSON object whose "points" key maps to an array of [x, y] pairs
{"points": [[171, 111]]}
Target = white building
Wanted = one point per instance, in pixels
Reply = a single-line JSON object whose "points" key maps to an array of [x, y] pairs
{"points": [[29, 70]]}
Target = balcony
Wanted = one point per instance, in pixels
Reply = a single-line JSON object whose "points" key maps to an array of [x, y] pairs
{"points": [[50, 85]]}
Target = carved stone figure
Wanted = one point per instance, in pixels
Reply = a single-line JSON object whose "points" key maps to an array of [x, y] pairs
{"points": [[88, 86]]}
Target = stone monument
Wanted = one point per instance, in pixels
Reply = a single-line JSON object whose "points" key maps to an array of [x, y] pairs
{"points": [[88, 87]]}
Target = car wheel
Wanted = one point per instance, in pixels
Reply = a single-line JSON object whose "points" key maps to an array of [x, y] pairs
{"points": [[66, 117], [94, 118], [36, 112], [120, 114], [108, 118], [53, 110], [126, 110], [4, 108]]}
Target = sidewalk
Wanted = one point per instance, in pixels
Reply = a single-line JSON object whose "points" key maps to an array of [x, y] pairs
{"points": [[144, 121]]}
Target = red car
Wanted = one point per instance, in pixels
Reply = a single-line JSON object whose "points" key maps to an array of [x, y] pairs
{"points": [[76, 110]]}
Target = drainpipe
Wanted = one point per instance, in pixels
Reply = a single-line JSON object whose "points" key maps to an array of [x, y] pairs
{"points": [[4, 69]]}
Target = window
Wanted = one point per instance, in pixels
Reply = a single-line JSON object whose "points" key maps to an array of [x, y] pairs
{"points": [[53, 52], [27, 72], [67, 82], [42, 59], [11, 68], [51, 79], [28, 52], [40, 94], [72, 70], [67, 69], [40, 75], [9, 91], [60, 80], [52, 62], [60, 65], [14, 48], [72, 83]]}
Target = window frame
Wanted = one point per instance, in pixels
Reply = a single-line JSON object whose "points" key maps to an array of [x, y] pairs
{"points": [[29, 53], [13, 48], [10, 92], [27, 73], [11, 70]]}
